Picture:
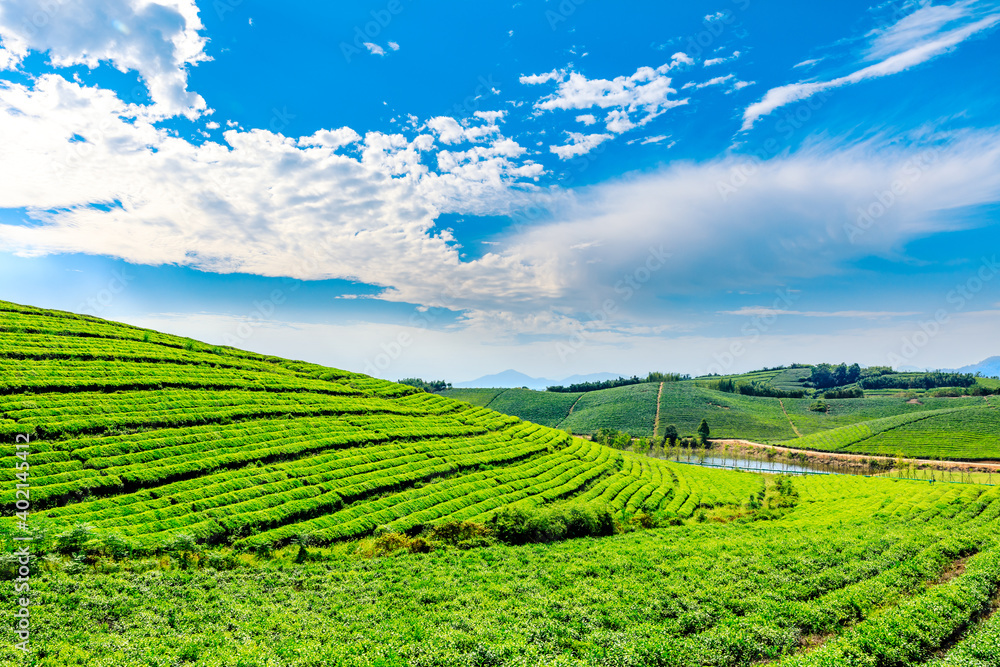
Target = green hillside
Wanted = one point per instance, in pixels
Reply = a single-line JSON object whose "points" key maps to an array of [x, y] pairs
{"points": [[167, 477], [541, 407], [808, 423], [148, 436]]}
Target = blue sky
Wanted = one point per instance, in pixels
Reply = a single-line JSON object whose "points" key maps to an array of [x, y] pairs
{"points": [[450, 190]]}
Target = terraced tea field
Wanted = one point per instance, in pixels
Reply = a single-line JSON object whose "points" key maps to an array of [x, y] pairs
{"points": [[854, 571], [845, 424], [148, 436], [143, 440]]}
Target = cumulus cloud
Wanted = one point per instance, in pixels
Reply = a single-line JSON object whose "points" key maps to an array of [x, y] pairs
{"points": [[633, 101], [157, 40], [921, 36], [646, 90], [451, 131], [374, 49], [260, 202]]}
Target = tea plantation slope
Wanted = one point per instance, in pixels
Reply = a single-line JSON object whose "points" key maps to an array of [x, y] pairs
{"points": [[149, 435]]}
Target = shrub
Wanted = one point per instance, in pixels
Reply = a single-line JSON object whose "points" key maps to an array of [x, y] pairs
{"points": [[521, 525], [79, 538], [458, 532]]}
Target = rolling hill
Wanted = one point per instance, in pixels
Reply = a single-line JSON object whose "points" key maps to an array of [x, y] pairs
{"points": [[148, 436], [836, 424], [166, 475]]}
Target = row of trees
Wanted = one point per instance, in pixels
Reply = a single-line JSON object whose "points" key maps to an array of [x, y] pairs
{"points": [[670, 438], [920, 381], [620, 382], [825, 376], [754, 388], [431, 387]]}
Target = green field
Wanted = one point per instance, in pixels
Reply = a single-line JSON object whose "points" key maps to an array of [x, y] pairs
{"points": [[480, 397], [972, 435], [631, 408], [147, 436], [542, 407], [883, 570], [174, 487], [961, 432]]}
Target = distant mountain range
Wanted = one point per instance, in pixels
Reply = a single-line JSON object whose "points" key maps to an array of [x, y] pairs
{"points": [[987, 368], [512, 378]]}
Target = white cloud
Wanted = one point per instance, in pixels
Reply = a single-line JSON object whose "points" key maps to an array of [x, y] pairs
{"points": [[794, 218], [157, 40], [450, 131], [535, 79], [681, 58], [618, 122], [915, 28], [586, 119], [374, 49], [644, 94], [654, 140], [910, 45], [260, 203], [491, 117], [580, 144], [332, 139], [716, 81], [212, 125], [718, 61], [394, 46], [806, 63]]}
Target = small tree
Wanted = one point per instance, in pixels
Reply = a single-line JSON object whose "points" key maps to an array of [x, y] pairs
{"points": [[185, 545], [703, 432], [670, 435]]}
